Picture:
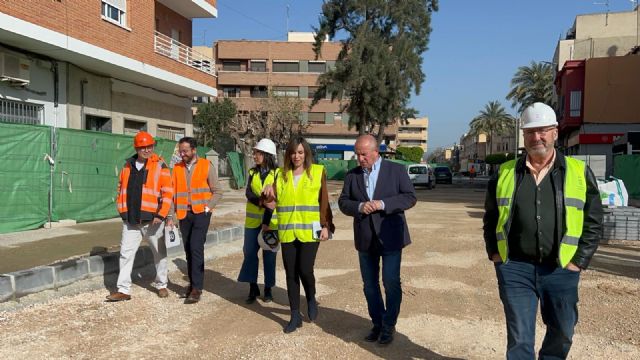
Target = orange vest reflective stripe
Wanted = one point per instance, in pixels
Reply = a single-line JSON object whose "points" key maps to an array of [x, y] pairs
{"points": [[198, 195], [157, 192]]}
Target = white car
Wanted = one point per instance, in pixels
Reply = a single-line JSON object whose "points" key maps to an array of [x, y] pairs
{"points": [[421, 175]]}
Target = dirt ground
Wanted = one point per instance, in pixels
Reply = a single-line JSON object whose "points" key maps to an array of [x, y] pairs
{"points": [[450, 309]]}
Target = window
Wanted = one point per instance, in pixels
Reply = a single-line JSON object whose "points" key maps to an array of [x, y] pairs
{"points": [[317, 67], [98, 123], [132, 127], [575, 103], [290, 91], [200, 99], [316, 118], [171, 133], [286, 66], [115, 11], [418, 170], [231, 92], [21, 112], [229, 65], [259, 92], [312, 92], [258, 65]]}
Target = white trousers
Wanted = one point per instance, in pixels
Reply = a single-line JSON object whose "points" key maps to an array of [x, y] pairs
{"points": [[132, 235]]}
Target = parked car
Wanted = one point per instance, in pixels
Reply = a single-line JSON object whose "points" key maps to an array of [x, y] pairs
{"points": [[443, 175], [421, 175]]}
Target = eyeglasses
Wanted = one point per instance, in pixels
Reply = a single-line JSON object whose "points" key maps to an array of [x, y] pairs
{"points": [[541, 132]]}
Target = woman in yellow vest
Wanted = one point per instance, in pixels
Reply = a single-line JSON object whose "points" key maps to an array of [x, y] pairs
{"points": [[304, 219], [259, 218]]}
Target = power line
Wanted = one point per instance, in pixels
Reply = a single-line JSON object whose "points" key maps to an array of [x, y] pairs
{"points": [[279, 32]]}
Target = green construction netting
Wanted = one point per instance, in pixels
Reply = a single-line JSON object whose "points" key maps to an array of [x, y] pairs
{"points": [[337, 169], [24, 180], [85, 176], [625, 168], [236, 160]]}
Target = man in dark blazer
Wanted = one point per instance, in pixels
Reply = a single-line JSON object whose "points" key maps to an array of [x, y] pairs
{"points": [[376, 194]]}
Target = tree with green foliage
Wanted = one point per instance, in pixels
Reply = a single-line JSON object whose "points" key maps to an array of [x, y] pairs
{"points": [[410, 153], [212, 119], [380, 62], [530, 84], [497, 159], [492, 120]]}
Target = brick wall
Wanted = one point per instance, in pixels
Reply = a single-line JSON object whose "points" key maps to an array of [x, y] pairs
{"points": [[82, 19]]}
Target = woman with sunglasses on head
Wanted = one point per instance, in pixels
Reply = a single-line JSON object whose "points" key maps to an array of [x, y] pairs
{"points": [[259, 218], [304, 219]]}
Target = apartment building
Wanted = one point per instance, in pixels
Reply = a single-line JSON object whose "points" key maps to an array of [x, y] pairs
{"points": [[248, 70], [413, 133], [597, 83], [116, 66]]}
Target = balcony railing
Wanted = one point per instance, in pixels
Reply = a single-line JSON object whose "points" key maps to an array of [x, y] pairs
{"points": [[164, 45]]}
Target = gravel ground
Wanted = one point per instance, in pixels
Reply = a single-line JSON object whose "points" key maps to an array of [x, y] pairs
{"points": [[450, 310]]}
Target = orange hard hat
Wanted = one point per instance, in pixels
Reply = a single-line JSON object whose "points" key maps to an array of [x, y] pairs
{"points": [[143, 139]]}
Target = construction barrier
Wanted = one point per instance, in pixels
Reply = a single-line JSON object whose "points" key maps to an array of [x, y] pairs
{"points": [[78, 168], [626, 168]]}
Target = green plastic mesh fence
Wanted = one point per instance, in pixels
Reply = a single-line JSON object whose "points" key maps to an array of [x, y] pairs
{"points": [[236, 160], [626, 168], [24, 179], [84, 180]]}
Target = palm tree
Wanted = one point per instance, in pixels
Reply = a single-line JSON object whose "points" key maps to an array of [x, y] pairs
{"points": [[493, 119], [530, 84]]}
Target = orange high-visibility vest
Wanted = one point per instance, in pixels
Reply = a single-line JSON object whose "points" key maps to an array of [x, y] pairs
{"points": [[157, 191], [198, 195]]}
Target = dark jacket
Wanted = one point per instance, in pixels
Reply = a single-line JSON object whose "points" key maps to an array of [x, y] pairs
{"points": [[395, 189], [592, 227]]}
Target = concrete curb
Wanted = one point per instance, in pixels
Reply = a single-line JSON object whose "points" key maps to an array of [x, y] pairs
{"points": [[21, 283]]}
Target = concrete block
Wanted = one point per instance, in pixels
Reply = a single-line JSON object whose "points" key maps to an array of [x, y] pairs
{"points": [[6, 288], [33, 280], [238, 232], [104, 263], [71, 271], [224, 235], [212, 238]]}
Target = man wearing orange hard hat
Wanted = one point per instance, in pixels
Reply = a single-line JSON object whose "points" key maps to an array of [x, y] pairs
{"points": [[145, 195]]}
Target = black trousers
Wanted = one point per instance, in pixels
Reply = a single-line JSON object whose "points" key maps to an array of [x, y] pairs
{"points": [[299, 258], [194, 228]]}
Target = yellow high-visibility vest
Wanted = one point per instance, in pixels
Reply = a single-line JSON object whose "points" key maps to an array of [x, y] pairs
{"points": [[254, 213], [575, 195], [299, 207]]}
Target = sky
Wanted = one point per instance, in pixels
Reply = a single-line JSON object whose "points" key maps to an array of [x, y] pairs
{"points": [[475, 47]]}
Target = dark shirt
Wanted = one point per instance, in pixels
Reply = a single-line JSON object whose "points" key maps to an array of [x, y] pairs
{"points": [[137, 178]]}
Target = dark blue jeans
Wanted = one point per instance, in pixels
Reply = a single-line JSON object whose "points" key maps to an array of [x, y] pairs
{"points": [[194, 228], [251, 262], [370, 270], [522, 285]]}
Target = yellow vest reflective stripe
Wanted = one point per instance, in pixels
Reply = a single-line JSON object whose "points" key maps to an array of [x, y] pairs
{"points": [[299, 207], [575, 195], [254, 213]]}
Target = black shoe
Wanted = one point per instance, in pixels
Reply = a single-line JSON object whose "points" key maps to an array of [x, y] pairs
{"points": [[294, 323], [386, 335], [268, 296], [254, 292], [374, 334], [312, 309]]}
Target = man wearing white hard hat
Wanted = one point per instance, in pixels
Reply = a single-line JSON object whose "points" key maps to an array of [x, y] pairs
{"points": [[542, 225], [260, 217]]}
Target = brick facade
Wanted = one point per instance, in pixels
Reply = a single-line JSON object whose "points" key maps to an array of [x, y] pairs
{"points": [[82, 20]]}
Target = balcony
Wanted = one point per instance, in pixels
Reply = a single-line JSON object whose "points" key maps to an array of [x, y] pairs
{"points": [[192, 8], [164, 45]]}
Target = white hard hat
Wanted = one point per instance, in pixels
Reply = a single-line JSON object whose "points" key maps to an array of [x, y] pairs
{"points": [[269, 241], [266, 145], [538, 115]]}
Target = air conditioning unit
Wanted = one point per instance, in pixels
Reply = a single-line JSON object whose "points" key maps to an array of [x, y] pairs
{"points": [[14, 69]]}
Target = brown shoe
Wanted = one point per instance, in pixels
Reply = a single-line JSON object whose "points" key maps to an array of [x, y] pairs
{"points": [[194, 296], [163, 293], [118, 296], [186, 293]]}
